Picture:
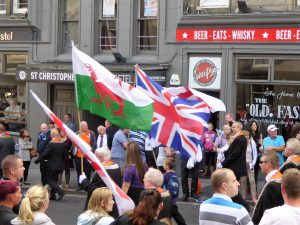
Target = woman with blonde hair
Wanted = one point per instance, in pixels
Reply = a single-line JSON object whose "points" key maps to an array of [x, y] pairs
{"points": [[101, 202], [33, 208]]}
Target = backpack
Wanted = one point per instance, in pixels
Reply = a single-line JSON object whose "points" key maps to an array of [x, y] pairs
{"points": [[173, 186]]}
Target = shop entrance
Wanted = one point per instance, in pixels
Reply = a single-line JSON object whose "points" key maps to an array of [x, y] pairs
{"points": [[63, 101]]}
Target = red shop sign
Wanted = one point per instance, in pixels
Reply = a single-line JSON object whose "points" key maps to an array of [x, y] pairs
{"points": [[239, 35]]}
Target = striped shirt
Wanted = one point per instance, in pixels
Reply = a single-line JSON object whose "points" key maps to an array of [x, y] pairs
{"points": [[139, 137], [220, 210]]}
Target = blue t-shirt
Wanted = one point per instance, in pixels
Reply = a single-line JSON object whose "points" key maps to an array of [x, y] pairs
{"points": [[278, 141], [117, 149]]}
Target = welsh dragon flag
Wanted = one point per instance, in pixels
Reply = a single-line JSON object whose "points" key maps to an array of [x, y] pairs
{"points": [[104, 94], [124, 203]]}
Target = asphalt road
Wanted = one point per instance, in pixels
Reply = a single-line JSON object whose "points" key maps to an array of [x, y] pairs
{"points": [[66, 211]]}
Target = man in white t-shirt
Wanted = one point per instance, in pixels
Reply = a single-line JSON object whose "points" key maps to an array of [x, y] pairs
{"points": [[289, 213]]}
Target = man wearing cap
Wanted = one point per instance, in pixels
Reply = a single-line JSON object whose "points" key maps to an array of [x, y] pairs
{"points": [[274, 143]]}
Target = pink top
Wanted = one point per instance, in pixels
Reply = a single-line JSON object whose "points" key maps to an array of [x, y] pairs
{"points": [[208, 140]]}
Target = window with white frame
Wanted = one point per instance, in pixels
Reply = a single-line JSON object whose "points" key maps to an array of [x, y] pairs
{"points": [[20, 6], [70, 24], [107, 37], [2, 6], [147, 25]]}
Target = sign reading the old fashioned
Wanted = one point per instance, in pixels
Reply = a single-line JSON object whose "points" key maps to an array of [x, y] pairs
{"points": [[238, 35], [205, 72]]}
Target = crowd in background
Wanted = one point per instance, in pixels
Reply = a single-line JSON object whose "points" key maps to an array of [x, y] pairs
{"points": [[233, 158]]}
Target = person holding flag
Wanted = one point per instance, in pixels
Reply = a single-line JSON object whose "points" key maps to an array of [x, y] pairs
{"points": [[82, 165]]}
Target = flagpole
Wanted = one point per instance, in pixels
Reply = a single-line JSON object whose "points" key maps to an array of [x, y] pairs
{"points": [[78, 113], [81, 155], [134, 82]]}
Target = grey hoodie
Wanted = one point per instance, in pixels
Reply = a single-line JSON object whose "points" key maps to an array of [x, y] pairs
{"points": [[92, 218], [39, 219]]}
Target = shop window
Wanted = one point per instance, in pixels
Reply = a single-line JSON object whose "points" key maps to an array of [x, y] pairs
{"points": [[249, 69], [2, 6], [11, 8], [13, 60], [206, 7], [1, 63], [70, 23], [108, 26], [269, 104], [10, 61], [287, 69], [20, 6], [12, 107], [147, 25]]}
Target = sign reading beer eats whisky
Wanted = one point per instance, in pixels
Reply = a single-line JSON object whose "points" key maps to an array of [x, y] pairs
{"points": [[205, 72], [238, 35]]}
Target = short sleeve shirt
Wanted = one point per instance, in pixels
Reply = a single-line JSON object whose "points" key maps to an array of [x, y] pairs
{"points": [[117, 149], [131, 176], [275, 142]]}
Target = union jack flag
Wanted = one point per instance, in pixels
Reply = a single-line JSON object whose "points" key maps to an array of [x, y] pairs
{"points": [[180, 115]]}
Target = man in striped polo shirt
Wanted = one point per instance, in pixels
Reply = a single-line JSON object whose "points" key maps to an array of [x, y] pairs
{"points": [[220, 209]]}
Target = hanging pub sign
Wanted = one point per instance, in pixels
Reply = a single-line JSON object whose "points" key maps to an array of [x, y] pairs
{"points": [[205, 72], [238, 35]]}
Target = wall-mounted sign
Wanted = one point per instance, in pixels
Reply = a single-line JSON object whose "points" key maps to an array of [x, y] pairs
{"points": [[205, 72], [108, 8], [27, 33], [68, 77], [214, 3], [150, 8], [6, 36], [45, 76], [238, 35]]}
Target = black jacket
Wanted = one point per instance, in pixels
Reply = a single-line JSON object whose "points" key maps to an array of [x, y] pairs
{"points": [[235, 157], [42, 141], [269, 198], [55, 154], [6, 215], [110, 132], [7, 146]]}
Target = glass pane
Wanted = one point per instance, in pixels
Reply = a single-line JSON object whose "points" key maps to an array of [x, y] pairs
{"points": [[71, 10], [269, 104], [287, 69], [257, 69], [13, 60], [108, 38], [12, 111], [2, 6], [148, 8], [148, 35], [70, 30], [1, 63], [22, 4]]}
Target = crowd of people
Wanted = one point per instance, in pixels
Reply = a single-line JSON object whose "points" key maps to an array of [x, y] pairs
{"points": [[232, 159]]}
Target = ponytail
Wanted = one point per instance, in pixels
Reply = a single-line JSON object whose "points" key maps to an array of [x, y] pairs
{"points": [[34, 200], [25, 213]]}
